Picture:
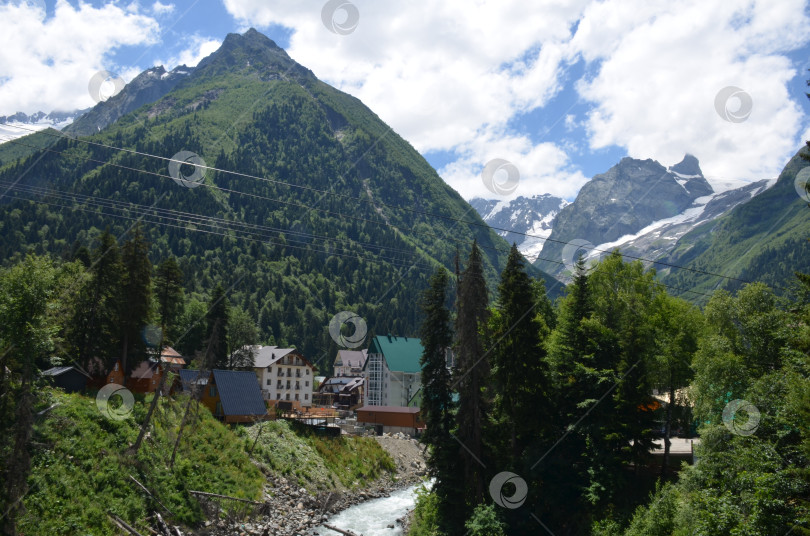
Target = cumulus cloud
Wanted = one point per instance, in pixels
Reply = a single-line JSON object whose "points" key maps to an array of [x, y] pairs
{"points": [[661, 67], [47, 61], [459, 76], [543, 167], [198, 48], [159, 8]]}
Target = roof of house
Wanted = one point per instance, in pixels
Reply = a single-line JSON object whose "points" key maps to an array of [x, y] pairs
{"points": [[58, 371], [354, 384], [351, 358], [264, 356], [188, 377], [239, 392], [401, 353], [389, 409], [145, 369], [340, 384]]}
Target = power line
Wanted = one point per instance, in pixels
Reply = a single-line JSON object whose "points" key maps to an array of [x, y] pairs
{"points": [[334, 194], [216, 223], [396, 207], [176, 216]]}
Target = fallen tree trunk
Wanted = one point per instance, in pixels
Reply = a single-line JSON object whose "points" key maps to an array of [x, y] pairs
{"points": [[218, 496], [344, 532]]}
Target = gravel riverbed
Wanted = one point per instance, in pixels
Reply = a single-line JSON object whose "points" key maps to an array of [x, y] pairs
{"points": [[290, 510]]}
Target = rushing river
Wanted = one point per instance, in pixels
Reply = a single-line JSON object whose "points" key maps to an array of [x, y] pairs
{"points": [[371, 518]]}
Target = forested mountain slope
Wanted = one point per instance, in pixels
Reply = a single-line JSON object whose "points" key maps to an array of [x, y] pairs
{"points": [[329, 210]]}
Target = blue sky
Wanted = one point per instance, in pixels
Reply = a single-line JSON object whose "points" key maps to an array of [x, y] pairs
{"points": [[562, 90]]}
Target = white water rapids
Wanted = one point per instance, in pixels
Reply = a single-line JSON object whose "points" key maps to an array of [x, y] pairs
{"points": [[371, 518]]}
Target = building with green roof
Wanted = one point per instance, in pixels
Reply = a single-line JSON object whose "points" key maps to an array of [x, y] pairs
{"points": [[393, 372]]}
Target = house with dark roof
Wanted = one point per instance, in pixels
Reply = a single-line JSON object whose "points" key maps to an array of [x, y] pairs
{"points": [[393, 372], [234, 396], [343, 392], [69, 379], [350, 362]]}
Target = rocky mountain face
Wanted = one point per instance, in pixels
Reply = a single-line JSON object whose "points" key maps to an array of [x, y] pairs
{"points": [[146, 88], [528, 215], [643, 209], [764, 237], [622, 201]]}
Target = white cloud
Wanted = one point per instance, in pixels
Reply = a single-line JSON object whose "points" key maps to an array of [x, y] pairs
{"points": [[159, 8], [198, 48], [543, 167], [662, 64], [442, 73], [457, 76], [47, 64]]}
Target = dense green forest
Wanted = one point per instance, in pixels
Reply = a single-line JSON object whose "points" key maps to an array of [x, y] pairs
{"points": [[320, 207], [548, 420]]}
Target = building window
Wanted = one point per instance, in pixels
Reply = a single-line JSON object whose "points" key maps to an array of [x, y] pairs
{"points": [[296, 396], [307, 372], [306, 396], [278, 396], [212, 391], [306, 383], [297, 385], [268, 381], [288, 384], [288, 396]]}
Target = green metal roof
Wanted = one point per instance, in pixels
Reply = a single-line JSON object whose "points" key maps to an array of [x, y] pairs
{"points": [[401, 353]]}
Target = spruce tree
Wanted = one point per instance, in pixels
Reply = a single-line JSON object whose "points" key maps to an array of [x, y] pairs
{"points": [[93, 331], [437, 405], [135, 300], [169, 293], [472, 375], [218, 314], [519, 370]]}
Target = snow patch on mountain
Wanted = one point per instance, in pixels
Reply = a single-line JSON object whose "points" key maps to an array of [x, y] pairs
{"points": [[18, 125]]}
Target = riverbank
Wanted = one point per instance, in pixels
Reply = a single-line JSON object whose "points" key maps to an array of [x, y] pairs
{"points": [[290, 510]]}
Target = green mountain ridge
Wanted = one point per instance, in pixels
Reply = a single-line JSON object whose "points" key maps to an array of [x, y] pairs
{"points": [[764, 239], [318, 233]]}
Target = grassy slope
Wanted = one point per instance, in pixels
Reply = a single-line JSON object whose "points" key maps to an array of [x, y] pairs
{"points": [[318, 463], [741, 244], [79, 469]]}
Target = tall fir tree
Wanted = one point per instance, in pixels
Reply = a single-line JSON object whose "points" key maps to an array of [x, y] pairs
{"points": [[564, 474], [218, 314], [135, 300], [472, 376], [437, 406], [519, 370], [169, 294], [94, 328]]}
